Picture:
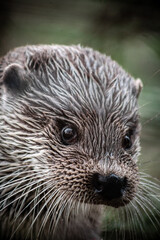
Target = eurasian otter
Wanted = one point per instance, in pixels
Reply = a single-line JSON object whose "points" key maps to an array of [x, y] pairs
{"points": [[69, 141]]}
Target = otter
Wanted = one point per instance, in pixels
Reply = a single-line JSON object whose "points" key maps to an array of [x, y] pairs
{"points": [[69, 141]]}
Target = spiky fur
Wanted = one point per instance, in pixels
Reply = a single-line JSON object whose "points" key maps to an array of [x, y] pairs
{"points": [[46, 190]]}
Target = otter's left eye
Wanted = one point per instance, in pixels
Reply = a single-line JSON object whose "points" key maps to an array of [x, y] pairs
{"points": [[68, 135], [127, 141]]}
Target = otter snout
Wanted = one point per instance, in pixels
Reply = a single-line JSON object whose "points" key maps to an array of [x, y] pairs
{"points": [[109, 187]]}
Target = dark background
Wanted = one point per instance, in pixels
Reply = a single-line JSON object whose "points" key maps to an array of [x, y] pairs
{"points": [[129, 31]]}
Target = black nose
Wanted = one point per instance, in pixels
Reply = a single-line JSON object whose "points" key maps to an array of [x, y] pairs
{"points": [[109, 187]]}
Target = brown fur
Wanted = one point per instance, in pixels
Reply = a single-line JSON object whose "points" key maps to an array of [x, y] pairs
{"points": [[46, 186]]}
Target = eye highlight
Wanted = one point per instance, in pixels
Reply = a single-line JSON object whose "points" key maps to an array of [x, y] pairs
{"points": [[69, 135], [127, 140]]}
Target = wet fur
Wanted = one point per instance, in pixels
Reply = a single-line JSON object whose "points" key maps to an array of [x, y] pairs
{"points": [[46, 189]]}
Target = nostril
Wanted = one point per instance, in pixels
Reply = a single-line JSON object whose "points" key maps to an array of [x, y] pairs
{"points": [[109, 187], [98, 182], [115, 186]]}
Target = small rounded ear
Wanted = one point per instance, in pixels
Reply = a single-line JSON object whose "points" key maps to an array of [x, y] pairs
{"points": [[13, 79], [138, 85]]}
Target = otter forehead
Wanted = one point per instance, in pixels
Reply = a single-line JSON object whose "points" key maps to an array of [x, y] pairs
{"points": [[79, 77], [75, 79]]}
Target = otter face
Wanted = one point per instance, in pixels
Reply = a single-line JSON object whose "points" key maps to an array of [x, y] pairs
{"points": [[70, 119]]}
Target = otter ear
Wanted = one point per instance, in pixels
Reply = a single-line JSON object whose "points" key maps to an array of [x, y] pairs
{"points": [[13, 79], [139, 86]]}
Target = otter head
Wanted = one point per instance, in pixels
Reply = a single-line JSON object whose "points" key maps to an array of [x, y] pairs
{"points": [[70, 117]]}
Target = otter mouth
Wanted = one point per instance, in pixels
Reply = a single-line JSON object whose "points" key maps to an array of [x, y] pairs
{"points": [[116, 203]]}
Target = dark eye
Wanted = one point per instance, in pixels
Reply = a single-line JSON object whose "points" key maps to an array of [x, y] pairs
{"points": [[127, 141], [68, 135]]}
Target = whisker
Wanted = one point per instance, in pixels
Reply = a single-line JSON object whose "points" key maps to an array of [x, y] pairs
{"points": [[48, 192], [19, 191], [48, 183]]}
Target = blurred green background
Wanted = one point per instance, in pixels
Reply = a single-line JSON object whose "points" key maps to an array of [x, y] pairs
{"points": [[128, 31]]}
